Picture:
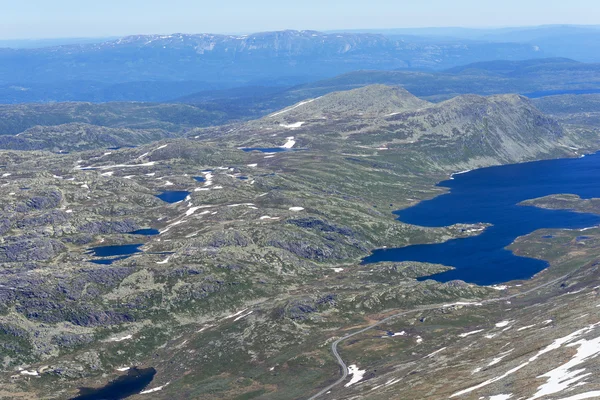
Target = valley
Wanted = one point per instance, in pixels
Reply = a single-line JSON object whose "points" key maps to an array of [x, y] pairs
{"points": [[242, 268]]}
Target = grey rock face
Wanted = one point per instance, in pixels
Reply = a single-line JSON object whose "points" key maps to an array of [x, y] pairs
{"points": [[42, 202], [105, 227], [30, 249], [54, 217], [320, 225]]}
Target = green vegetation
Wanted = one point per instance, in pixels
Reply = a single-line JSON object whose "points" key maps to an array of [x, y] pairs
{"points": [[251, 280]]}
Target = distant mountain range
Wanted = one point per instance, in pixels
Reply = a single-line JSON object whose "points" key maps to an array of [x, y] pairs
{"points": [[90, 71], [534, 78], [161, 68]]}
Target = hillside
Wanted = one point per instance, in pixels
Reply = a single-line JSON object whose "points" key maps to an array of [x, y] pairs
{"points": [[164, 67], [195, 269], [254, 57], [534, 78], [80, 137], [172, 117], [461, 133]]}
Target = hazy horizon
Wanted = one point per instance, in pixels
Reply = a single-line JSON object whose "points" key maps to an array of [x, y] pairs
{"points": [[63, 19], [350, 30]]}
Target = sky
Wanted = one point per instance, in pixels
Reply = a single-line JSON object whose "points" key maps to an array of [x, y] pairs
{"points": [[25, 19]]}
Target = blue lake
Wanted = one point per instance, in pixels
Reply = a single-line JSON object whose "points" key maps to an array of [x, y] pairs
{"points": [[173, 196], [121, 388], [115, 250], [146, 232], [491, 195], [199, 178], [267, 149]]}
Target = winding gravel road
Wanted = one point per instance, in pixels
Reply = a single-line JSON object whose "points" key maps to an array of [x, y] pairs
{"points": [[343, 365]]}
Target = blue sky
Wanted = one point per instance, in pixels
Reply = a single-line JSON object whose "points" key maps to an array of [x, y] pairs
{"points": [[84, 18]]}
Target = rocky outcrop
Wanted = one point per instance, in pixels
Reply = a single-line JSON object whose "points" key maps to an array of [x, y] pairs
{"points": [[106, 227], [21, 249]]}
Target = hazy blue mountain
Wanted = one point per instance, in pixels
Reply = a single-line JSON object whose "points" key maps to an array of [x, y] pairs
{"points": [[96, 71], [580, 42], [94, 91], [534, 78], [506, 34], [159, 68], [38, 43]]}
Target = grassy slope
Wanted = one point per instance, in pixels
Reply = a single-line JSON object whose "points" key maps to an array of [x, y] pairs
{"points": [[228, 259]]}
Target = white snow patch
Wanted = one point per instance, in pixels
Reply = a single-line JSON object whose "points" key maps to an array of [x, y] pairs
{"points": [[501, 397], [236, 314], [559, 378], [525, 327], [240, 204], [588, 228], [502, 324], [243, 316], [109, 173], [166, 260], [264, 217], [498, 287], [356, 373], [296, 209], [460, 173], [292, 126], [490, 381], [419, 339], [392, 381], [30, 373], [172, 225], [161, 147], [470, 333], [582, 396], [192, 210], [204, 328], [123, 369], [435, 352], [156, 389], [6, 174], [253, 165], [337, 269], [120, 339], [499, 358], [290, 143], [291, 108]]}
